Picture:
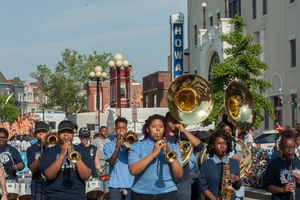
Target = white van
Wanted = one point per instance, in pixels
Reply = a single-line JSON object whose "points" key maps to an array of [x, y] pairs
{"points": [[267, 140]]}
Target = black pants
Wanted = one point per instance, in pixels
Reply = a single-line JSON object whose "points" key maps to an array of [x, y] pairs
{"points": [[166, 196]]}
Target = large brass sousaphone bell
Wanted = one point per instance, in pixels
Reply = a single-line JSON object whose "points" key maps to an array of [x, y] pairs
{"points": [[190, 100], [240, 110]]}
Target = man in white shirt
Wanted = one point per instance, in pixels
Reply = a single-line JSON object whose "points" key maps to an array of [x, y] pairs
{"points": [[248, 139], [26, 143]]}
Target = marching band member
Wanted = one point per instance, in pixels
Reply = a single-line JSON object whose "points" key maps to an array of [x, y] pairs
{"points": [[211, 172], [34, 156], [115, 153], [154, 176], [84, 135], [184, 184], [64, 179], [9, 156], [3, 185], [277, 179], [229, 128], [297, 148]]}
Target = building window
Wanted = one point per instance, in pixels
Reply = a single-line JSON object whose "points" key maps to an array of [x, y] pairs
{"points": [[267, 121], [218, 16], [123, 90], [234, 8], [278, 109], [294, 110], [214, 60], [254, 9], [154, 100], [265, 7], [195, 32], [211, 21], [293, 52], [292, 1]]}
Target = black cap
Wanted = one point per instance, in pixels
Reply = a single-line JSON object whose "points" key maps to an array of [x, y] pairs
{"points": [[65, 125], [41, 126], [84, 132]]}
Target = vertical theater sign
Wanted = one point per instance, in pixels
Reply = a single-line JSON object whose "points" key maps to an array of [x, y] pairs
{"points": [[177, 54]]}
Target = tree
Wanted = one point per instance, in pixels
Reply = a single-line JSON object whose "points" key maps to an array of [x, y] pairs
{"points": [[243, 65], [10, 112], [65, 87]]}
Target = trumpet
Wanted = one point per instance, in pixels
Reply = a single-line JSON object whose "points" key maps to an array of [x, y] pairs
{"points": [[170, 155], [51, 140], [130, 138], [73, 156]]}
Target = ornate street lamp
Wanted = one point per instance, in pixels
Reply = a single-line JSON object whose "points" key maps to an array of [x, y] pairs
{"points": [[204, 22], [118, 64], [99, 76]]}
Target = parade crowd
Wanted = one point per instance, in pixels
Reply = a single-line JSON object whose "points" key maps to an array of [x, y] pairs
{"points": [[149, 169]]}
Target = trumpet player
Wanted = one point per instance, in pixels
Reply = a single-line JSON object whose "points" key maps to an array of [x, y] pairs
{"points": [[184, 184], [211, 172], [283, 179], [116, 154], [65, 172], [155, 172], [33, 157]]}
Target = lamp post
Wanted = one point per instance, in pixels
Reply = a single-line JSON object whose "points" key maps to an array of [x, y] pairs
{"points": [[204, 22], [226, 16], [98, 75], [118, 64]]}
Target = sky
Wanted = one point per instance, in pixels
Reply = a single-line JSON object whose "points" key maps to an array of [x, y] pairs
{"points": [[35, 32]]}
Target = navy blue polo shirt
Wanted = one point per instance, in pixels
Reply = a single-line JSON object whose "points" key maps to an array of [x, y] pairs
{"points": [[5, 159], [186, 168], [37, 182], [67, 184]]}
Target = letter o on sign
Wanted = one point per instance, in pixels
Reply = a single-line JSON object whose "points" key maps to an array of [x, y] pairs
{"points": [[178, 42]]}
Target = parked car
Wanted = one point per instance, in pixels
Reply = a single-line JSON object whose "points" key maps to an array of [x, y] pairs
{"points": [[267, 140]]}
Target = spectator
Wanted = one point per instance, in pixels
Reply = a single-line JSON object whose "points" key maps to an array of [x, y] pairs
{"points": [[26, 143], [297, 139], [297, 129], [258, 148], [276, 153], [248, 139]]}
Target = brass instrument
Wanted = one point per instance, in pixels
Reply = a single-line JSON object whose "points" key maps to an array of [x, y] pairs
{"points": [[190, 100], [51, 140], [130, 138], [227, 190], [73, 156], [170, 155], [240, 110]]}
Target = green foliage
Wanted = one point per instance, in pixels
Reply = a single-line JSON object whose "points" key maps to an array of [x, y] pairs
{"points": [[243, 65], [10, 112], [65, 87]]}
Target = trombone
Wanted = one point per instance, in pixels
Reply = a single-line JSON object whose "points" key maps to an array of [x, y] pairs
{"points": [[73, 156]]}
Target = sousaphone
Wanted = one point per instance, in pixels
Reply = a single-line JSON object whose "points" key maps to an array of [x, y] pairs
{"points": [[190, 100], [240, 110]]}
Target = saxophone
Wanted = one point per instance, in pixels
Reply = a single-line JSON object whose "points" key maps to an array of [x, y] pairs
{"points": [[292, 178], [227, 190]]}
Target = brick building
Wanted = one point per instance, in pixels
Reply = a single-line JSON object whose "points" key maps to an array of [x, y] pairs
{"points": [[109, 91], [155, 88], [15, 86]]}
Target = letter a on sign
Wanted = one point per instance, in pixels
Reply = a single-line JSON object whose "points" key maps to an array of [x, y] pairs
{"points": [[178, 67]]}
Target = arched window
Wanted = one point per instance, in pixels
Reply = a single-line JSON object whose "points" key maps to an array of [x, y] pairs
{"points": [[214, 60]]}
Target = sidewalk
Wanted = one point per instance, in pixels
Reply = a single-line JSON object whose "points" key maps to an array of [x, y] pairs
{"points": [[254, 193]]}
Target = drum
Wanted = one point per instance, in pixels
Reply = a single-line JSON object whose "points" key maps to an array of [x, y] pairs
{"points": [[93, 188], [105, 189], [25, 190], [12, 187]]}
